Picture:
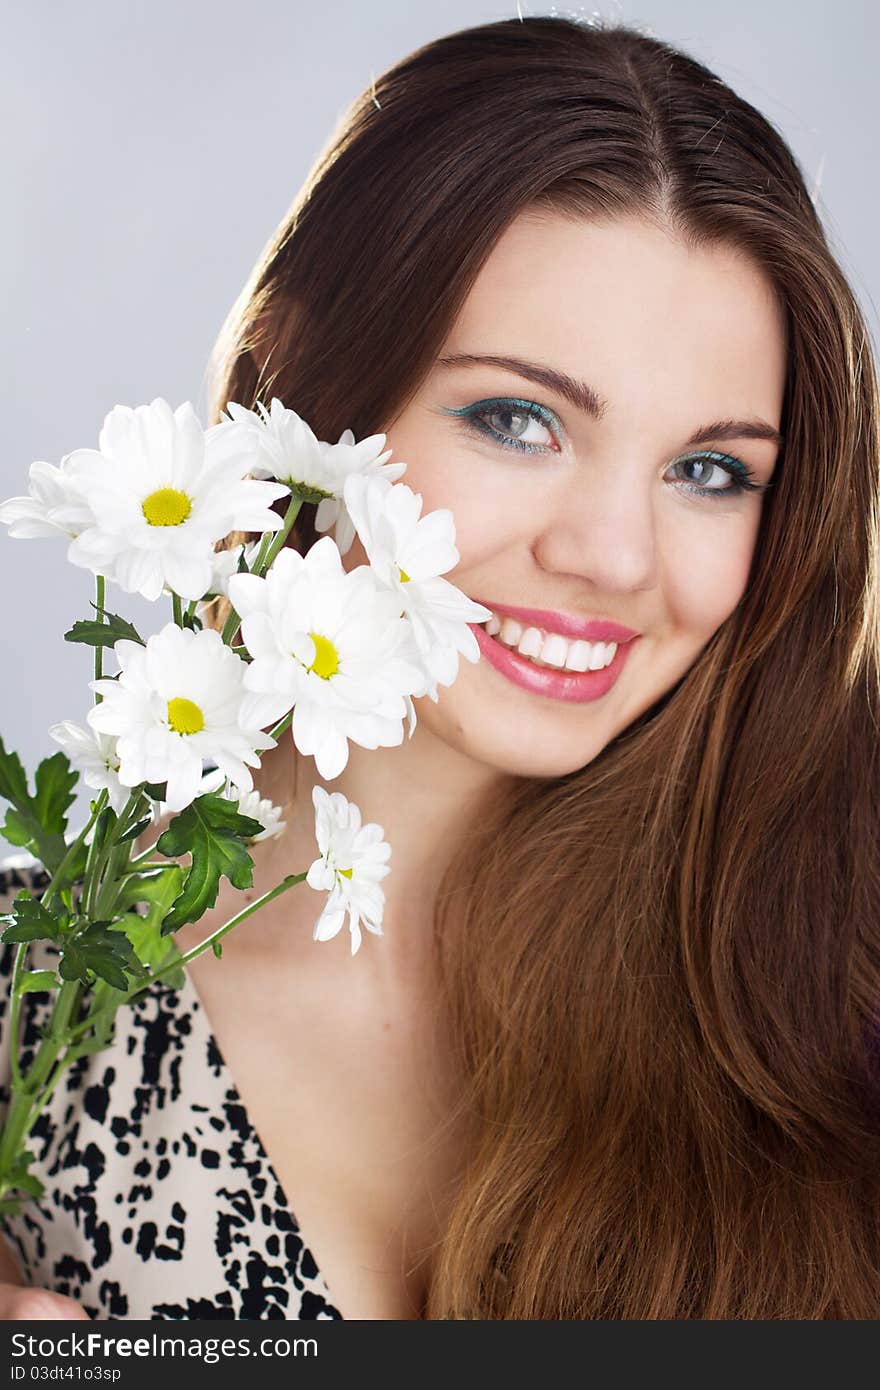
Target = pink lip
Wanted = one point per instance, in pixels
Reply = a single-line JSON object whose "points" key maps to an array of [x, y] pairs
{"points": [[575, 686], [597, 630]]}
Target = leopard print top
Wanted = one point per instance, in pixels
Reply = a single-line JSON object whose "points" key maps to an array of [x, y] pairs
{"points": [[160, 1201]]}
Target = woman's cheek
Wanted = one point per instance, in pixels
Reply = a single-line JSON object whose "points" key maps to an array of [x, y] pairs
{"points": [[706, 577]]}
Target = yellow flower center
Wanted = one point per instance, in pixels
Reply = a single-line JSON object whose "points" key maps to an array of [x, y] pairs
{"points": [[404, 577], [184, 716], [326, 662], [346, 872], [168, 506]]}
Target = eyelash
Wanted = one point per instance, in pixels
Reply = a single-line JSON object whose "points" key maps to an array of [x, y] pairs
{"points": [[743, 480]]}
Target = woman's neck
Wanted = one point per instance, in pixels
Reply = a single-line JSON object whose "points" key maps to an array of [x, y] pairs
{"points": [[421, 793]]}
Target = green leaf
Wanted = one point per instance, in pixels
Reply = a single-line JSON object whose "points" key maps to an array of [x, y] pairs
{"points": [[107, 634], [36, 981], [160, 887], [9, 915], [157, 790], [55, 781], [215, 834], [32, 922], [19, 934], [37, 822], [135, 830], [23, 1180], [143, 929], [103, 951], [13, 780], [217, 948], [102, 827]]}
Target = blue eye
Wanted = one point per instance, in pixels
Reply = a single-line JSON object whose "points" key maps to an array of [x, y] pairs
{"points": [[506, 409], [741, 477]]}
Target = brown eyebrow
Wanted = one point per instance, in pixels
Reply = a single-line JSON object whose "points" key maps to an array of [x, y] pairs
{"points": [[588, 400]]}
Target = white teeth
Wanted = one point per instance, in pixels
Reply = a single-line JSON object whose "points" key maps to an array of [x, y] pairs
{"points": [[551, 648], [579, 654], [554, 650], [603, 655], [511, 631], [531, 642]]}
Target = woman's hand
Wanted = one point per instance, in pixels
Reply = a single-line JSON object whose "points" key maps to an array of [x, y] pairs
{"points": [[21, 1303]]}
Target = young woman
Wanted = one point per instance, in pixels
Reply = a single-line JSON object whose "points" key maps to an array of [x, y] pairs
{"points": [[616, 1054]]}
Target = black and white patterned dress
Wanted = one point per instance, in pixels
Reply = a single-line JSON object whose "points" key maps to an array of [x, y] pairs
{"points": [[160, 1201]]}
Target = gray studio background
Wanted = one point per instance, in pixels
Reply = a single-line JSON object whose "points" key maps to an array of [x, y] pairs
{"points": [[150, 148]]}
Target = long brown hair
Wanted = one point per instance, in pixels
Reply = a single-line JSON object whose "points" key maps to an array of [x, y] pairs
{"points": [[663, 969]]}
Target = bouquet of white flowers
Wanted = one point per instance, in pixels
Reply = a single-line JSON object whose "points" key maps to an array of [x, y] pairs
{"points": [[332, 655]]}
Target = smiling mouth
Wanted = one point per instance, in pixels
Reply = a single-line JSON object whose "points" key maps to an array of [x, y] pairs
{"points": [[550, 650], [551, 682]]}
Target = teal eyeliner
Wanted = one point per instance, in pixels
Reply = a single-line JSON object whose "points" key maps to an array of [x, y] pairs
{"points": [[743, 480]]}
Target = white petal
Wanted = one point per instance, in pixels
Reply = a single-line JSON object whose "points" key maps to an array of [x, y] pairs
{"points": [[321, 876], [329, 923], [248, 593], [183, 783]]}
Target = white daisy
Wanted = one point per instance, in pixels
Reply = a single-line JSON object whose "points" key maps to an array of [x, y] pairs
{"points": [[331, 646], [409, 552], [348, 459], [160, 502], [249, 804], [176, 703], [352, 862], [277, 442], [52, 506], [96, 756], [262, 809], [281, 445]]}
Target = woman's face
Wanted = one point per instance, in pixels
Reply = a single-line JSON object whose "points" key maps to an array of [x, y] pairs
{"points": [[617, 517]]}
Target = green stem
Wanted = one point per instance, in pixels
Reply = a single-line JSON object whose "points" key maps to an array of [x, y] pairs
{"points": [[21, 1112], [143, 860], [99, 650], [72, 849], [91, 878], [178, 609], [257, 567], [282, 725], [231, 626], [264, 559], [30, 1093], [46, 897], [281, 536], [14, 1006], [108, 892], [288, 882], [71, 1055], [115, 857]]}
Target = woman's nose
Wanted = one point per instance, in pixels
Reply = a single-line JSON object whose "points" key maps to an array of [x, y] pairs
{"points": [[605, 533]]}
